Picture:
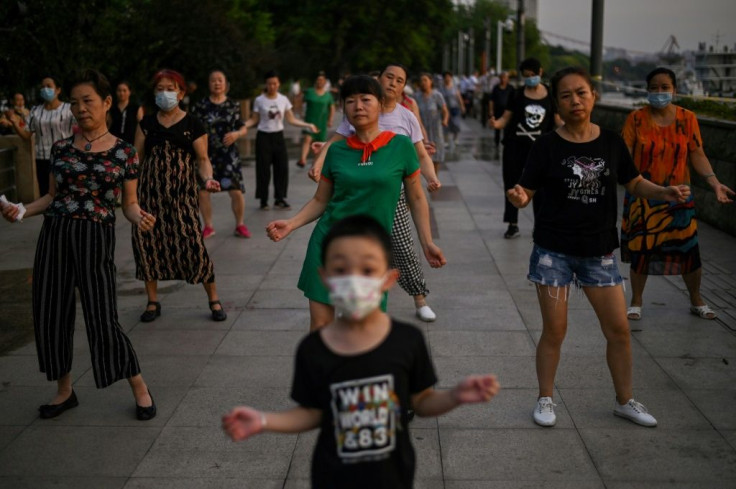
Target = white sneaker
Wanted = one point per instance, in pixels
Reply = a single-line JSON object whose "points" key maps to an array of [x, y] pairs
{"points": [[426, 314], [634, 411], [544, 413]]}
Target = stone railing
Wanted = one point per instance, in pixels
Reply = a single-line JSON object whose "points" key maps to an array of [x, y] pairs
{"points": [[719, 141]]}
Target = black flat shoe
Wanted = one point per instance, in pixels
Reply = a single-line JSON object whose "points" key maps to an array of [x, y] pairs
{"points": [[218, 314], [150, 315], [146, 413], [48, 411]]}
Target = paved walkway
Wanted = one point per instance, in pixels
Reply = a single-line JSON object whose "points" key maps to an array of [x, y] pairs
{"points": [[685, 368]]}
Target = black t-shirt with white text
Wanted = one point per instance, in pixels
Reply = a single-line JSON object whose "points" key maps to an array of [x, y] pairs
{"points": [[364, 439], [575, 205]]}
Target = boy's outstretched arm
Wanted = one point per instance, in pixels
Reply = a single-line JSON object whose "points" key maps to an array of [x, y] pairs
{"points": [[244, 421], [472, 389]]}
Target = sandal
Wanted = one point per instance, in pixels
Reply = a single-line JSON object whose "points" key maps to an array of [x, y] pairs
{"points": [[217, 314], [704, 312], [634, 313]]}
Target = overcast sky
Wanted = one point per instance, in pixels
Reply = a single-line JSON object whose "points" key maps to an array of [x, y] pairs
{"points": [[643, 25]]}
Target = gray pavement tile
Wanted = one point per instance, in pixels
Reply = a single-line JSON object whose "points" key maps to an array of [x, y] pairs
{"points": [[301, 462], [260, 343], [711, 404], [510, 409], [7, 435], [59, 482], [480, 343], [202, 483], [730, 436], [19, 404], [279, 299], [205, 406], [701, 373], [176, 342], [22, 370], [593, 409], [670, 484], [575, 372], [98, 451], [427, 448], [521, 484], [512, 372], [661, 455], [236, 371], [711, 341], [273, 320], [486, 318], [510, 454], [189, 452]]}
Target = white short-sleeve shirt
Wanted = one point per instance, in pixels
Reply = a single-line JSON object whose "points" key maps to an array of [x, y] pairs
{"points": [[271, 112], [400, 121]]}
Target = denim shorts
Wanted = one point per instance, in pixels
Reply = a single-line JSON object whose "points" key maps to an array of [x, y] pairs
{"points": [[560, 270]]}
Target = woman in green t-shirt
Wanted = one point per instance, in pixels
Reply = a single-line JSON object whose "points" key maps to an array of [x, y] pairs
{"points": [[320, 111], [361, 175]]}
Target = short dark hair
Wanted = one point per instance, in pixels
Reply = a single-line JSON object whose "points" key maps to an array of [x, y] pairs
{"points": [[361, 84], [570, 70], [55, 79], [398, 65], [270, 74], [662, 71], [531, 64], [359, 225], [93, 78]]}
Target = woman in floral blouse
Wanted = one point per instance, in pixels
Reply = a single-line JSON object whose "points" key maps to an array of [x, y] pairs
{"points": [[76, 247]]}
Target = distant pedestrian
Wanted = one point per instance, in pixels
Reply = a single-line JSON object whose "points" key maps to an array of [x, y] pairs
{"points": [[76, 249], [362, 174], [173, 147], [659, 237], [528, 115], [498, 101], [51, 121], [572, 173], [357, 378], [270, 110], [434, 115], [487, 83], [456, 106], [18, 107], [220, 116], [124, 114], [320, 112]]}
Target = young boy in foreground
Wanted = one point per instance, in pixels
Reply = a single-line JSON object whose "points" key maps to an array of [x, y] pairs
{"points": [[357, 377]]}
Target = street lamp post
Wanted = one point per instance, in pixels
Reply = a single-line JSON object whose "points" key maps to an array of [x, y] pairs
{"points": [[502, 25]]}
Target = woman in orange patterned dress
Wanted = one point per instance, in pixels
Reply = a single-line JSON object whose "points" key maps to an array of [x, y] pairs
{"points": [[657, 237]]}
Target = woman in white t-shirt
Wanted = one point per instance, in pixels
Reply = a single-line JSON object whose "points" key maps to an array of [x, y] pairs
{"points": [[269, 112], [50, 121]]}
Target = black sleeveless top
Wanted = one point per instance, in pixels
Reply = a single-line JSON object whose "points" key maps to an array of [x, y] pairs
{"points": [[124, 122]]}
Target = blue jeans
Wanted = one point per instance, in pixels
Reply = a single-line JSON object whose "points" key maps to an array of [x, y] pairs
{"points": [[560, 270]]}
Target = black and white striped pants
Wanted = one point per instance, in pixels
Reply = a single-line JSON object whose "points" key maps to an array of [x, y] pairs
{"points": [[79, 253], [411, 275]]}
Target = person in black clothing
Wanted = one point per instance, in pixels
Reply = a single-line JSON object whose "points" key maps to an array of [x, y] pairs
{"points": [[572, 174], [499, 99], [356, 377], [528, 115], [124, 115]]}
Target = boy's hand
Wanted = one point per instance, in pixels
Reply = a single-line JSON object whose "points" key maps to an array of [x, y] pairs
{"points": [[242, 423], [476, 388]]}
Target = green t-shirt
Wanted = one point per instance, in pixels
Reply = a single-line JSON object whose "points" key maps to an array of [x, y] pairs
{"points": [[318, 111], [370, 188]]}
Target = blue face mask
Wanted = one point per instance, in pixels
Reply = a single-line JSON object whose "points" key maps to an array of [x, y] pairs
{"points": [[48, 93], [532, 81], [659, 100], [166, 100]]}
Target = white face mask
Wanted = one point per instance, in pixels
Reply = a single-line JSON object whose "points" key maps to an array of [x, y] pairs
{"points": [[167, 100], [355, 296]]}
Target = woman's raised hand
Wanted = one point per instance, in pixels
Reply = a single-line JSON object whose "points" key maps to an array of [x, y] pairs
{"points": [[723, 193], [278, 230], [517, 196]]}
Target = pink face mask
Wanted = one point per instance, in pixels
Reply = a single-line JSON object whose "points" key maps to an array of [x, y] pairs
{"points": [[355, 296]]}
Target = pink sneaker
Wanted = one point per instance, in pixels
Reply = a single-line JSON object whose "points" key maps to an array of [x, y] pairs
{"points": [[242, 231], [208, 232]]}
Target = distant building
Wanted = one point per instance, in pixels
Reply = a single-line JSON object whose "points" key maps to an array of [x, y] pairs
{"points": [[531, 10], [716, 69]]}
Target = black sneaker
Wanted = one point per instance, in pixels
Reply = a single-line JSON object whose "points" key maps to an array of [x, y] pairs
{"points": [[264, 206], [281, 205], [512, 232]]}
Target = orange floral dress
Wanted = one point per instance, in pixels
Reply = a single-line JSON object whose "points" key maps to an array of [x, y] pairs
{"points": [[659, 237]]}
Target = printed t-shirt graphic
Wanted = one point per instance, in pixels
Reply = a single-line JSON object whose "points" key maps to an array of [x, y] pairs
{"points": [[365, 413], [585, 185]]}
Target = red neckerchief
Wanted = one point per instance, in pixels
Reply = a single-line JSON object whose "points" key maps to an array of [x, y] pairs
{"points": [[368, 148]]}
